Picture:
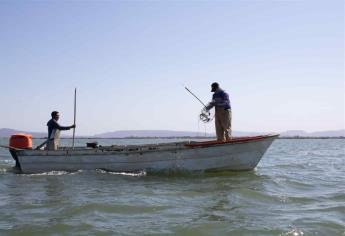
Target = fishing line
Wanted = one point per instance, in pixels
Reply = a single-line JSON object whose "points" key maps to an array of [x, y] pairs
{"points": [[205, 129], [198, 127], [200, 132], [205, 115]]}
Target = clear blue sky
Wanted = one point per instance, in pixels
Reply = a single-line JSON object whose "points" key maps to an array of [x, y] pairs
{"points": [[282, 63]]}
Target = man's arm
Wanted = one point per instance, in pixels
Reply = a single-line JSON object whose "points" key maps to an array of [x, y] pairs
{"points": [[211, 104], [57, 126]]}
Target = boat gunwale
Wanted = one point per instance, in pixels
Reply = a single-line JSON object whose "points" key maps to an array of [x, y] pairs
{"points": [[170, 147], [238, 140]]}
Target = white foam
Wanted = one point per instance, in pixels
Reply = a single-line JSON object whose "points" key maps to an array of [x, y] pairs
{"points": [[54, 173], [141, 173]]}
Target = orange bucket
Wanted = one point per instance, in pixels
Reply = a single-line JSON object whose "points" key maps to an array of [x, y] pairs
{"points": [[23, 141]]}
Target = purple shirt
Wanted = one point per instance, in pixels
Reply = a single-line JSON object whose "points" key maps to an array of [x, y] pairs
{"points": [[220, 98]]}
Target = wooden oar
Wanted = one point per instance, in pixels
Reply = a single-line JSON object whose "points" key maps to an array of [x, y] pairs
{"points": [[75, 111]]}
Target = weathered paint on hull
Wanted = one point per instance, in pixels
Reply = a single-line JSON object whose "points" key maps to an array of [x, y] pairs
{"points": [[237, 156]]}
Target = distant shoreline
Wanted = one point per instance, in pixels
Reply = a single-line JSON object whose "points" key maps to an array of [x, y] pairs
{"points": [[341, 137], [190, 137], [172, 134]]}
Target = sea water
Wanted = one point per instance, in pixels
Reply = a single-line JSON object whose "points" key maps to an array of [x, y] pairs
{"points": [[298, 188]]}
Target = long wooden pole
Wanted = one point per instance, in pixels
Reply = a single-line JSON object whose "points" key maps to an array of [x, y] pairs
{"points": [[195, 96], [75, 111]]}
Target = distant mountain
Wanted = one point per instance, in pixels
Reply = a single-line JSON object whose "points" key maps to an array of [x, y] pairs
{"points": [[151, 133], [301, 133], [6, 133], [164, 133], [291, 133]]}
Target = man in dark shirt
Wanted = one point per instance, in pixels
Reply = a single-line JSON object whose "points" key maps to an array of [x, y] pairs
{"points": [[221, 102], [54, 131]]}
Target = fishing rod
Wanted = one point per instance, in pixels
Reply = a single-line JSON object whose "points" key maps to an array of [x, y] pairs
{"points": [[205, 115], [195, 96]]}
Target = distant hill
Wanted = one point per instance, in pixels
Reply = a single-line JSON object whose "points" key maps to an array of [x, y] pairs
{"points": [[151, 133], [302, 133], [5, 132], [164, 133]]}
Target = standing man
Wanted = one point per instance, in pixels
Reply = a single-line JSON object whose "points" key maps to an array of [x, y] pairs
{"points": [[54, 131], [221, 102]]}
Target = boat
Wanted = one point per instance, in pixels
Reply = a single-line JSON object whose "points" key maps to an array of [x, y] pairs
{"points": [[238, 154]]}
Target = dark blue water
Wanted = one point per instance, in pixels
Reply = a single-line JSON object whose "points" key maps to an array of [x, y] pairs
{"points": [[297, 189]]}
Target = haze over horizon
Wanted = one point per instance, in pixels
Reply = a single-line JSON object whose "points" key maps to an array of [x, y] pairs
{"points": [[282, 63]]}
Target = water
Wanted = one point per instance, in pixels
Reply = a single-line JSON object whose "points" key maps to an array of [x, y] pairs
{"points": [[297, 189]]}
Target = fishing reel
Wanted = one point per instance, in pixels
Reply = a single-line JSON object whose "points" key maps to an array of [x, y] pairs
{"points": [[205, 116]]}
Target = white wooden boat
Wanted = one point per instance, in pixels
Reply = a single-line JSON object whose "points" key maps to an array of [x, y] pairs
{"points": [[238, 154]]}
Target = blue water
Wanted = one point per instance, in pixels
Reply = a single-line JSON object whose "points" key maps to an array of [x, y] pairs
{"points": [[297, 189]]}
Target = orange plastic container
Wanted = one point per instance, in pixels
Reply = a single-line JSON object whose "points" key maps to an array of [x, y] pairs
{"points": [[23, 141]]}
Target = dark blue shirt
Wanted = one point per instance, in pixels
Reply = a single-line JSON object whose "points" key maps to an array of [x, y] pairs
{"points": [[52, 126]]}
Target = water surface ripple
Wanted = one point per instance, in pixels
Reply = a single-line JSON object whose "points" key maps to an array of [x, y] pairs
{"points": [[297, 189]]}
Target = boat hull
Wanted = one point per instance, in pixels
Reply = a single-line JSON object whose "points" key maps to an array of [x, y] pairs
{"points": [[237, 156]]}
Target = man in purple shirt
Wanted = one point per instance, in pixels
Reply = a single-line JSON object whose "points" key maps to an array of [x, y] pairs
{"points": [[221, 102]]}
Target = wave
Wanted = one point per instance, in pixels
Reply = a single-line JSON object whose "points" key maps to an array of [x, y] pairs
{"points": [[54, 172], [293, 232], [4, 170], [137, 174]]}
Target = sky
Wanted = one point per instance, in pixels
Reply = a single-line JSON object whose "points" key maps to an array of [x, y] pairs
{"points": [[281, 61]]}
